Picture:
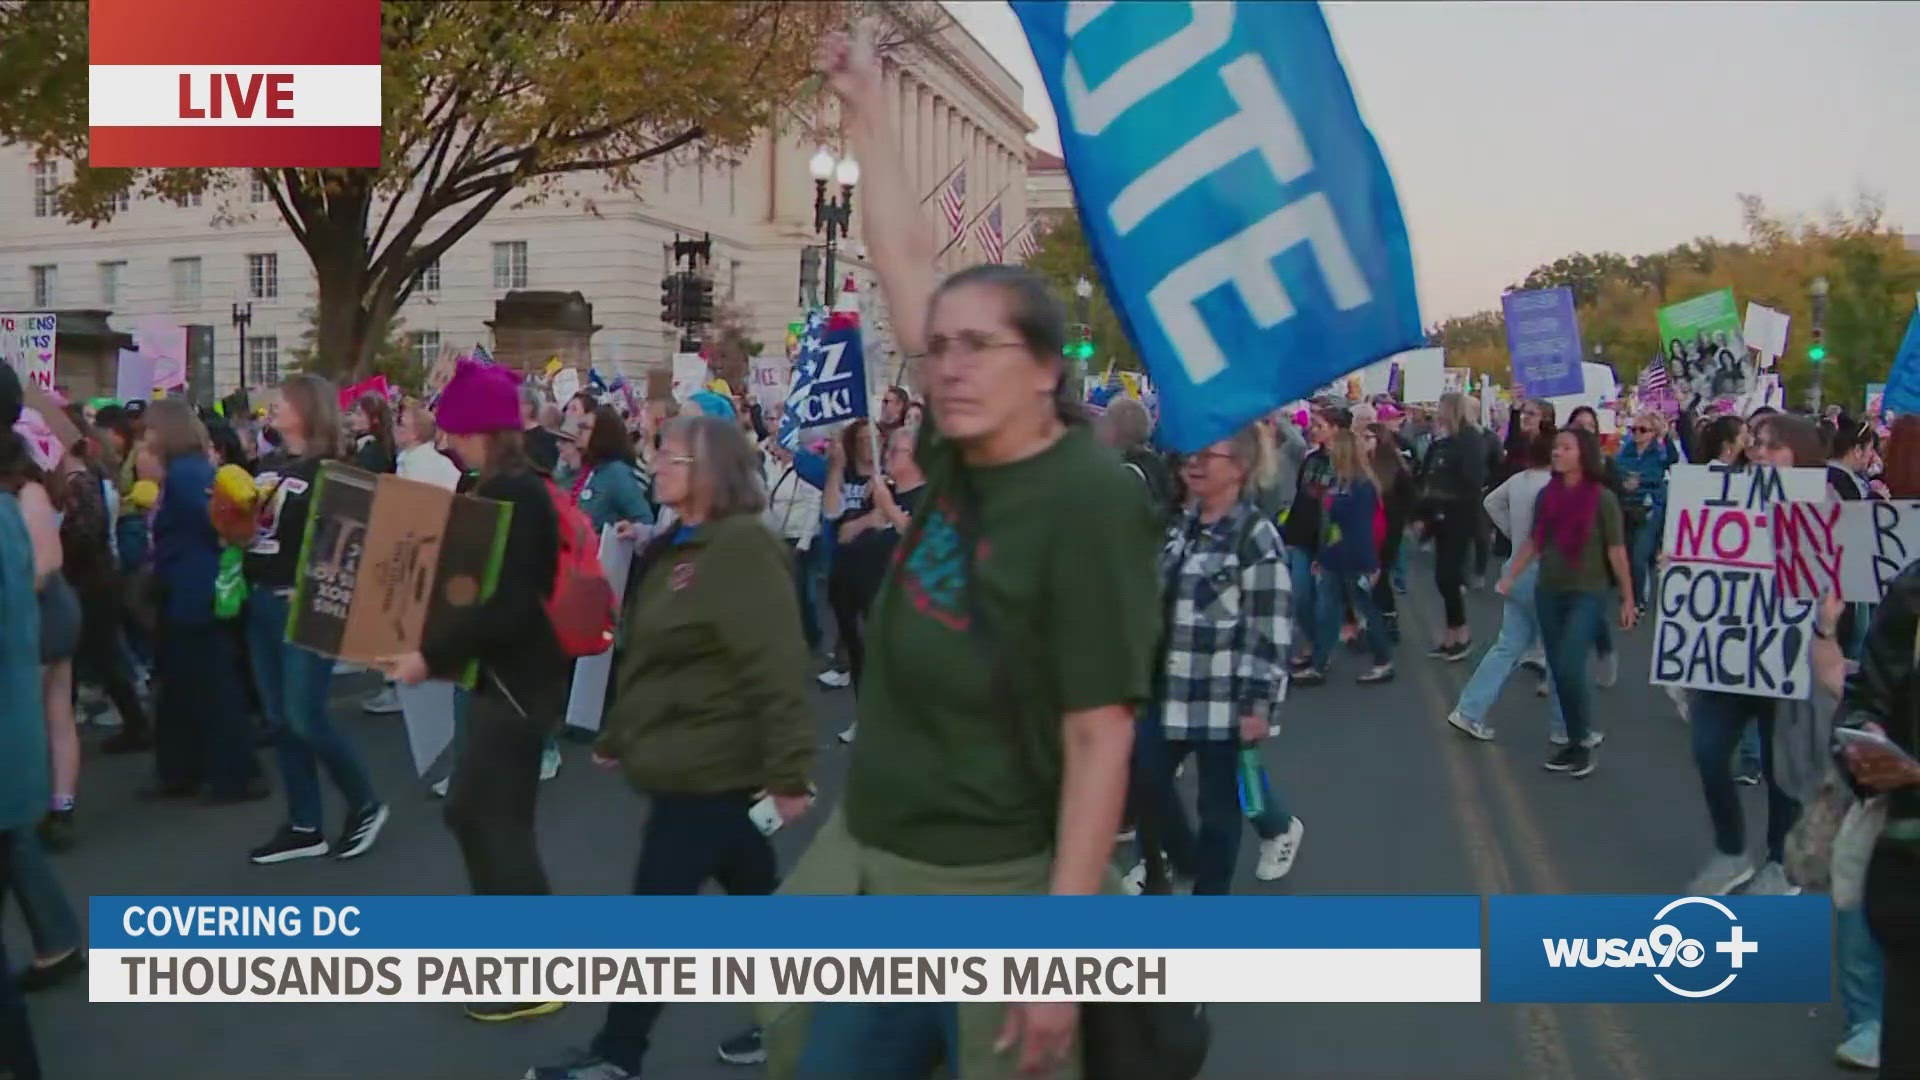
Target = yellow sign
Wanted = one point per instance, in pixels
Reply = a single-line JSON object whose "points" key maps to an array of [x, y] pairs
{"points": [[553, 366]]}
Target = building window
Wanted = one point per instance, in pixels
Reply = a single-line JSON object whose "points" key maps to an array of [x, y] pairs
{"points": [[510, 265], [110, 275], [257, 190], [263, 360], [186, 280], [46, 177], [429, 281], [263, 277], [733, 279], [426, 347], [46, 285], [121, 201]]}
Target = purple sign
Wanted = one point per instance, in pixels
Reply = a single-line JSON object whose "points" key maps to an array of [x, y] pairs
{"points": [[1544, 338]]}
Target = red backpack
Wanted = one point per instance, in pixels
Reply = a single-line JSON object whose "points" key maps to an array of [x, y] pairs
{"points": [[581, 605]]}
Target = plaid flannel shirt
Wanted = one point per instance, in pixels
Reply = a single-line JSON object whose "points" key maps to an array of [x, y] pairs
{"points": [[1229, 605]]}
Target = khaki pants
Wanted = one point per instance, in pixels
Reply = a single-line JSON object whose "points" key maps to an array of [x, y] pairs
{"points": [[838, 865]]}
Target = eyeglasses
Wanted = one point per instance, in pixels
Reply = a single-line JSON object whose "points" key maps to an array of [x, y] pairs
{"points": [[1641, 430], [966, 345]]}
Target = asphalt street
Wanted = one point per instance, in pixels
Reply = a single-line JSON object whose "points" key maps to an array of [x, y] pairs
{"points": [[1393, 801]]}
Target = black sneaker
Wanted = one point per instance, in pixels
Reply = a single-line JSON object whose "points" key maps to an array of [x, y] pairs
{"points": [[289, 844], [1300, 663], [56, 830], [363, 828], [1574, 761], [37, 977], [746, 1048], [1441, 652], [1309, 677], [1536, 666], [1458, 652]]}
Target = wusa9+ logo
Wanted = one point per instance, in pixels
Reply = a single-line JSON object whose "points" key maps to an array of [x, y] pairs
{"points": [[1647, 948]]}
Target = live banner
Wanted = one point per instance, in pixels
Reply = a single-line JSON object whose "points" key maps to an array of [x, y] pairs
{"points": [[1724, 622]]}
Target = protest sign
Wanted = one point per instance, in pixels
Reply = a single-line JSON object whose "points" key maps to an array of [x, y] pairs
{"points": [[1723, 623], [352, 394], [1876, 539], [384, 560], [1705, 352], [1377, 378], [829, 377], [27, 346], [156, 336], [566, 384], [1455, 380], [1876, 401], [689, 375], [588, 698], [1240, 213], [1765, 330], [1422, 375], [441, 373], [133, 381], [768, 377], [1543, 337]]}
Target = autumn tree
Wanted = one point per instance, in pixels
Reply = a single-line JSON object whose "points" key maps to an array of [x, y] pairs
{"points": [[1063, 259], [480, 102]]}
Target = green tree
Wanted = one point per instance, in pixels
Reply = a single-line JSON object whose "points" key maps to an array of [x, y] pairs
{"points": [[392, 353], [480, 101], [1063, 259]]}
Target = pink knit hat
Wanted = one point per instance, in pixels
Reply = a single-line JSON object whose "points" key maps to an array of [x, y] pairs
{"points": [[478, 399]]}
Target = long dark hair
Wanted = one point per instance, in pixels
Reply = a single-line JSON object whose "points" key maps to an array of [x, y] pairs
{"points": [[373, 405], [1035, 316], [1592, 465], [607, 438]]}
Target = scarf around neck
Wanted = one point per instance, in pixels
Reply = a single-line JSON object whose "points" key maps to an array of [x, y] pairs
{"points": [[1566, 515]]}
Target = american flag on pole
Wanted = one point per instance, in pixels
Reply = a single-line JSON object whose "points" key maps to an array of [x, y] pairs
{"points": [[993, 243], [953, 201], [1653, 377], [1029, 243]]}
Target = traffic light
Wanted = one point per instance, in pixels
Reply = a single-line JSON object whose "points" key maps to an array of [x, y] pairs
{"points": [[696, 300], [1079, 342], [670, 296], [1817, 348]]}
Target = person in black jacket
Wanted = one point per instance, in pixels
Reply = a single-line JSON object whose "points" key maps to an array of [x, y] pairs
{"points": [[1450, 481], [523, 676], [1883, 697], [371, 424]]}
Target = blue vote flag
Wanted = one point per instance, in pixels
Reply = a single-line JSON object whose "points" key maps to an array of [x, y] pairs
{"points": [[1903, 382], [1237, 206], [829, 376]]}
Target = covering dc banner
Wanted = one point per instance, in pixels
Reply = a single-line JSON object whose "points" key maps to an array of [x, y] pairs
{"points": [[1235, 202]]}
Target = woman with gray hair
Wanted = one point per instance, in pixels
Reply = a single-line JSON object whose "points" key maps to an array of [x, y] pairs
{"points": [[708, 716]]}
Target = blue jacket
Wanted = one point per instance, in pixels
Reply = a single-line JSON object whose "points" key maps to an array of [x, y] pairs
{"points": [[1347, 546], [23, 729], [186, 550], [613, 494], [1650, 465]]}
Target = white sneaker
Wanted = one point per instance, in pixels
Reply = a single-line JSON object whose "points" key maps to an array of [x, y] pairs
{"points": [[835, 680], [1277, 854], [346, 667], [1862, 1048], [847, 735], [1772, 881], [1608, 671], [1722, 874], [1678, 695], [1593, 739], [384, 702], [439, 787], [1135, 881], [549, 763], [1126, 836], [1479, 729]]}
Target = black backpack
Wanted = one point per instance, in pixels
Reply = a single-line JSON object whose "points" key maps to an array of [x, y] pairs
{"points": [[1157, 475]]}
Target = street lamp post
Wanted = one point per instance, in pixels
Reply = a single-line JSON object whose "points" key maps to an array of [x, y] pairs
{"points": [[242, 316], [1817, 350], [834, 217]]}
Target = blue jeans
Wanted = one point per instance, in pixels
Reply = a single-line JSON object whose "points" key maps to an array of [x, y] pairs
{"points": [[1519, 630], [1863, 976], [1719, 721], [880, 1040], [806, 585], [1300, 568], [293, 686], [1570, 626], [51, 923], [1645, 545], [1334, 591], [1207, 857]]}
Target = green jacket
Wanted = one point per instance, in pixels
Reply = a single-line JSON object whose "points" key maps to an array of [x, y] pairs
{"points": [[710, 684]]}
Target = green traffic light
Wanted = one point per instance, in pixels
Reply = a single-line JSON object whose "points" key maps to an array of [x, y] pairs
{"points": [[1816, 353]]}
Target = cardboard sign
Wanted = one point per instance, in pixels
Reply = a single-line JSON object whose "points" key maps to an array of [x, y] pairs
{"points": [[134, 379], [27, 346], [1876, 538], [1765, 330], [441, 373], [1723, 622], [157, 337], [566, 384], [689, 375], [767, 376], [385, 560], [1422, 375]]}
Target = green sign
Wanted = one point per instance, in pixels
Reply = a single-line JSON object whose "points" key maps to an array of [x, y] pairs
{"points": [[1704, 349]]}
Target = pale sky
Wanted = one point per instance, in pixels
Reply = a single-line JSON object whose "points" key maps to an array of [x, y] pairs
{"points": [[1521, 132]]}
